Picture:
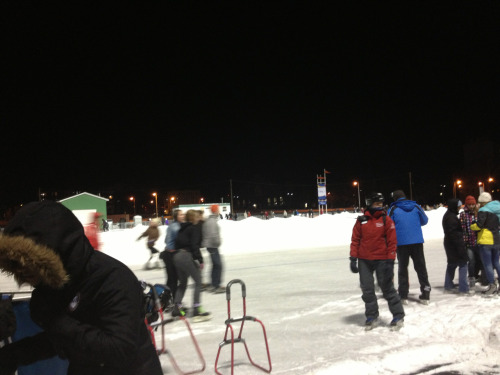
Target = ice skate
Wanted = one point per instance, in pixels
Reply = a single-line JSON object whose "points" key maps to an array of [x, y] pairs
{"points": [[490, 291], [397, 324], [200, 315], [178, 311], [424, 297], [371, 323]]}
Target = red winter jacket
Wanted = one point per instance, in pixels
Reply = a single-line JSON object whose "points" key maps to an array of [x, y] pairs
{"points": [[372, 238]]}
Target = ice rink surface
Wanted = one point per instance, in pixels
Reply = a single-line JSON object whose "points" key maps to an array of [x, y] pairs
{"points": [[310, 305]]}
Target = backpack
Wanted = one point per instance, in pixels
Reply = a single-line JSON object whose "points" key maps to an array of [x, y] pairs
{"points": [[163, 295]]}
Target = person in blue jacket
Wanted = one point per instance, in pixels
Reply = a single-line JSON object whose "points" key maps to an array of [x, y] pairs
{"points": [[409, 218]]}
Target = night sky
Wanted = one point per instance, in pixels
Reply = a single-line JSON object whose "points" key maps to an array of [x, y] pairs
{"points": [[99, 95]]}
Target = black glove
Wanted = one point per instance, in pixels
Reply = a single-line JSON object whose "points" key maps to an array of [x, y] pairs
{"points": [[45, 307], [354, 265], [8, 364]]}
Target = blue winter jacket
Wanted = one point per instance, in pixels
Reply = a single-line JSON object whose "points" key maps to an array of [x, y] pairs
{"points": [[172, 231], [493, 207], [409, 217]]}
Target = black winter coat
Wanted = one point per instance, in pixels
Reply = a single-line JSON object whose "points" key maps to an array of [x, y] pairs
{"points": [[189, 239], [89, 304], [454, 244]]}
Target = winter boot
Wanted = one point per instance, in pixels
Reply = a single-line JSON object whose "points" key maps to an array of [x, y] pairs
{"points": [[492, 289], [200, 315]]}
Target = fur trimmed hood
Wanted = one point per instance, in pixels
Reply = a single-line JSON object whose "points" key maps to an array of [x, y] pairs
{"points": [[44, 244], [31, 263]]}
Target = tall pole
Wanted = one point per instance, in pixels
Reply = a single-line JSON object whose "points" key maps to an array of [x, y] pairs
{"points": [[326, 192], [156, 202], [359, 199], [231, 192]]}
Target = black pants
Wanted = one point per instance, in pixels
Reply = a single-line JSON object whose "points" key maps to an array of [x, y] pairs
{"points": [[172, 278], [384, 272], [216, 273], [416, 253]]}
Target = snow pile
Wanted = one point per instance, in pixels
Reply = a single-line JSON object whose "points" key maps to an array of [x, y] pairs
{"points": [[256, 235]]}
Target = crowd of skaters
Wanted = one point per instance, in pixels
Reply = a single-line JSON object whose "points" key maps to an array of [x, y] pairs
{"points": [[380, 236]]}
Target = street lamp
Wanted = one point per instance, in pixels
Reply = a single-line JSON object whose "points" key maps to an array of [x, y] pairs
{"points": [[490, 180], [156, 200], [457, 183], [132, 199], [356, 183], [171, 202]]}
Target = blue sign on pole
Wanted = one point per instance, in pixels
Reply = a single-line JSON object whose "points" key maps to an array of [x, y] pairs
{"points": [[322, 193]]}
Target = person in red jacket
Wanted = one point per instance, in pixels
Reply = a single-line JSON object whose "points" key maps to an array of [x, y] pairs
{"points": [[373, 250], [91, 231]]}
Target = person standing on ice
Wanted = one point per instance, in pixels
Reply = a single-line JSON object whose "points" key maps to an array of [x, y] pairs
{"points": [[373, 250], [454, 246], [152, 234], [168, 254], [89, 305], [211, 240], [409, 218], [488, 238], [189, 263], [467, 216]]}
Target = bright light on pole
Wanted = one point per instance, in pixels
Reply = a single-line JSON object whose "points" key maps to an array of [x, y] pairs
{"points": [[356, 183], [156, 201], [133, 200], [456, 184], [490, 180]]}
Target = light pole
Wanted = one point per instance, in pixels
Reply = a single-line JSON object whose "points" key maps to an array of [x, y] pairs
{"points": [[171, 205], [457, 183], [133, 200], [156, 201], [490, 180], [356, 183]]}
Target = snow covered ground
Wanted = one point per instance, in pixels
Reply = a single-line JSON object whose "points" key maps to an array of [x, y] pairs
{"points": [[296, 272], [298, 283]]}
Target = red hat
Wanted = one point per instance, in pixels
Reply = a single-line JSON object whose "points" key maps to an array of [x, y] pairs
{"points": [[214, 208], [470, 200]]}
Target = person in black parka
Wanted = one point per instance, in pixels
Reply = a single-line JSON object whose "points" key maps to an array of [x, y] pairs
{"points": [[454, 245], [89, 305]]}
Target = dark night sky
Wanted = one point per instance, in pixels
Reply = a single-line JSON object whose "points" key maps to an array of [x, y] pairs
{"points": [[98, 94]]}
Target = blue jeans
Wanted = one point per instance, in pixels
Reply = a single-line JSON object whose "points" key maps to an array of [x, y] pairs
{"points": [[384, 271], [463, 284], [472, 253], [489, 257]]}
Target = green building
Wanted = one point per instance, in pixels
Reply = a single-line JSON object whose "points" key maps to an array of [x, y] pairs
{"points": [[85, 205]]}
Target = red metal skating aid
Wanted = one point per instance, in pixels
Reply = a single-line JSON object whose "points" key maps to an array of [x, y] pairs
{"points": [[153, 326], [229, 327]]}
